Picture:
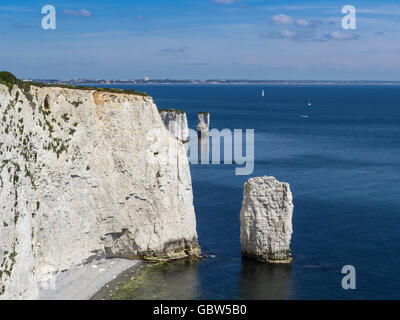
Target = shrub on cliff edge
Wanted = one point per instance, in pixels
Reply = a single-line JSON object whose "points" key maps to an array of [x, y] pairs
{"points": [[8, 79]]}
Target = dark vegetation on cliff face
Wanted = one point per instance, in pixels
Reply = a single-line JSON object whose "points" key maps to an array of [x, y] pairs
{"points": [[10, 80]]}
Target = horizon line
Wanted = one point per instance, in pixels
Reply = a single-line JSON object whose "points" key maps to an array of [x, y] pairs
{"points": [[141, 80]]}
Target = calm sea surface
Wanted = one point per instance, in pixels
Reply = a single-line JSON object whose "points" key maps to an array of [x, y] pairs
{"points": [[342, 163]]}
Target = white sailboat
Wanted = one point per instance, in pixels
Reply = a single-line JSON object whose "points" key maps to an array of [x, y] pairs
{"points": [[262, 93], [309, 102]]}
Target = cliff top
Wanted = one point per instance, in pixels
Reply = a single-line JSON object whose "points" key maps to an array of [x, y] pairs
{"points": [[171, 110], [8, 79]]}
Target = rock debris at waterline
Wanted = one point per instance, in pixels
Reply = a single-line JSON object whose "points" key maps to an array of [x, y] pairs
{"points": [[85, 173], [266, 220]]}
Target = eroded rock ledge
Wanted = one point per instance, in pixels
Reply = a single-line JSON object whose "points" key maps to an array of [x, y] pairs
{"points": [[86, 174], [266, 220]]}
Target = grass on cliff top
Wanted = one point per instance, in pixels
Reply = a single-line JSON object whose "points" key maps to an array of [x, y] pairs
{"points": [[171, 110], [10, 80]]}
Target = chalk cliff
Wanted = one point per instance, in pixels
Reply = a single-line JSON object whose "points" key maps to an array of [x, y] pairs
{"points": [[266, 220], [86, 174], [177, 124]]}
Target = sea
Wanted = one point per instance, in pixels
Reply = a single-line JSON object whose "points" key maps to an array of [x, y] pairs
{"points": [[341, 157]]}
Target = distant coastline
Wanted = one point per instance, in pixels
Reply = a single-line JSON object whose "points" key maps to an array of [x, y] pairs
{"points": [[89, 82]]}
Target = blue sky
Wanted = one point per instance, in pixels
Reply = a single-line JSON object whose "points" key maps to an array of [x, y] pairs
{"points": [[201, 39]]}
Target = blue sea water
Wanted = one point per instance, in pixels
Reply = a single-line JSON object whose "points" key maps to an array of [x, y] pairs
{"points": [[342, 163]]}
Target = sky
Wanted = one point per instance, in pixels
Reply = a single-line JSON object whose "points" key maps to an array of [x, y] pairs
{"points": [[201, 39]]}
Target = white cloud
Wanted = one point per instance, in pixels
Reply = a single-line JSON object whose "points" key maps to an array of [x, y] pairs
{"points": [[302, 23], [282, 34], [172, 50], [22, 26], [77, 13], [341, 36], [15, 9], [382, 10], [224, 1], [309, 35], [281, 19], [287, 33]]}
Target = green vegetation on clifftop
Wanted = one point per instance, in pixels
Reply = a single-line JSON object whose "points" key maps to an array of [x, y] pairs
{"points": [[10, 80]]}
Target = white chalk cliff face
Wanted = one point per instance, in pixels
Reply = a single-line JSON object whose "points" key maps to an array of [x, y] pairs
{"points": [[176, 122], [266, 220], [87, 174]]}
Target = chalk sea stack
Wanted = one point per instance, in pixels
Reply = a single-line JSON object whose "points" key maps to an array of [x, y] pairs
{"points": [[203, 123], [176, 122], [266, 220]]}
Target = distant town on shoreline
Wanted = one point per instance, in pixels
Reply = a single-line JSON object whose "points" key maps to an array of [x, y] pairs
{"points": [[147, 80]]}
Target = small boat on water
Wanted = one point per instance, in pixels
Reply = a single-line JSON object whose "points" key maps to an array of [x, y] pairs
{"points": [[262, 93], [309, 102], [303, 115]]}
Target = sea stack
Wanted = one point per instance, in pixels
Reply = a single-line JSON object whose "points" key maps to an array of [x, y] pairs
{"points": [[176, 122], [203, 122], [203, 128], [266, 220]]}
